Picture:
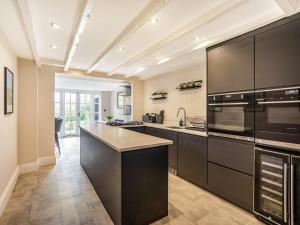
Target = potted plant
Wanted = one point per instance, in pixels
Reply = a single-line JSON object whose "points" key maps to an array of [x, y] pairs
{"points": [[109, 117]]}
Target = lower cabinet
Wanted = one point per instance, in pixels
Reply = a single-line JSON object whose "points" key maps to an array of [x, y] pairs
{"points": [[233, 186], [230, 170], [192, 158], [170, 135]]}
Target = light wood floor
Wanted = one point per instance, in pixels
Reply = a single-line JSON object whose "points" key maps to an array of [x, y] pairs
{"points": [[63, 195]]}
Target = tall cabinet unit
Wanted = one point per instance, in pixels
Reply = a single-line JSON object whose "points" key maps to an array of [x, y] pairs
{"points": [[277, 56], [230, 67]]}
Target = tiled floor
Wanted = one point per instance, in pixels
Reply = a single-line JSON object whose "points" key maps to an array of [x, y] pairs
{"points": [[62, 194]]}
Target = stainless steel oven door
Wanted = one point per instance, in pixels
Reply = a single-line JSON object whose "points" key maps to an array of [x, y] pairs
{"points": [[277, 115], [231, 115]]}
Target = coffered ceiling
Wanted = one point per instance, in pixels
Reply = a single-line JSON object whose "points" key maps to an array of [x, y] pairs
{"points": [[141, 38]]}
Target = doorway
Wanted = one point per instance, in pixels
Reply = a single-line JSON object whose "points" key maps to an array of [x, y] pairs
{"points": [[76, 108]]}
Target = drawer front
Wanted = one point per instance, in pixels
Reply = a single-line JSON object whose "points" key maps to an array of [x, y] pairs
{"points": [[231, 185], [234, 155]]}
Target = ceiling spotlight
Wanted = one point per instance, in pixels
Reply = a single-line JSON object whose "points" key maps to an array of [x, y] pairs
{"points": [[53, 46], [55, 25], [153, 20], [121, 48], [196, 38], [163, 60]]}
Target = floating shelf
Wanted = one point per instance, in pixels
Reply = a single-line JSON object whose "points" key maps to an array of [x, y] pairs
{"points": [[159, 96], [190, 85]]}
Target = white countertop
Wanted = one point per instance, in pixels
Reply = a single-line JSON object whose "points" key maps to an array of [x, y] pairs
{"points": [[121, 139], [166, 127]]}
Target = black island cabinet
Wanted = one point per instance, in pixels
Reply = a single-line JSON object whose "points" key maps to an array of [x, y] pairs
{"points": [[132, 185]]}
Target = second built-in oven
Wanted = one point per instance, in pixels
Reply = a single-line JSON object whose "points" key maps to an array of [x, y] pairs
{"points": [[277, 117], [231, 115]]}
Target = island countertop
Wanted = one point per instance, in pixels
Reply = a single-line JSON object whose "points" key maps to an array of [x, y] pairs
{"points": [[121, 139]]}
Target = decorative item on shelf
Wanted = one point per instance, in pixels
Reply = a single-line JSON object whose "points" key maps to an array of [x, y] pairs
{"points": [[159, 95], [190, 85]]}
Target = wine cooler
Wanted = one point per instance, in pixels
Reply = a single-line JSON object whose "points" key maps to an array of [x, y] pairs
{"points": [[277, 184]]}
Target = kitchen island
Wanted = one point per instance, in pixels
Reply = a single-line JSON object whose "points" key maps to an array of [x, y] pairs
{"points": [[128, 170]]}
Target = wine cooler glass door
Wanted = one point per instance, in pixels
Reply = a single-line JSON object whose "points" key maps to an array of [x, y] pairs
{"points": [[271, 185]]}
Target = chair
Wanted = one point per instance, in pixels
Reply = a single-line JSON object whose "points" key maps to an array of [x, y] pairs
{"points": [[58, 123]]}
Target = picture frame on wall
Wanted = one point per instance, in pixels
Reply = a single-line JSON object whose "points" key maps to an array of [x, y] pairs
{"points": [[8, 91], [120, 100]]}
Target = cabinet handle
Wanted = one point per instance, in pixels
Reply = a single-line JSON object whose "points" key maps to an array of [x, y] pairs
{"points": [[292, 194], [278, 102], [230, 103], [285, 193]]}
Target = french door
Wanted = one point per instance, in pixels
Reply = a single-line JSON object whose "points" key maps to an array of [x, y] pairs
{"points": [[75, 108]]}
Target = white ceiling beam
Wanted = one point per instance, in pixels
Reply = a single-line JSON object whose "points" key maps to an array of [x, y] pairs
{"points": [[52, 62], [25, 11], [216, 38], [83, 16], [203, 19], [289, 7], [150, 10]]}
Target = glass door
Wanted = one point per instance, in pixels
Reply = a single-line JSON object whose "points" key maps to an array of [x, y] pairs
{"points": [[85, 109], [295, 190], [70, 113], [271, 185]]}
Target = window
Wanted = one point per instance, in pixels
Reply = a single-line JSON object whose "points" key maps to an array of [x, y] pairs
{"points": [[70, 113], [57, 104], [97, 106], [85, 108]]}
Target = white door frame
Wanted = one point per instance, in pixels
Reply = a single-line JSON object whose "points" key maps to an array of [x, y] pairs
{"points": [[62, 107]]}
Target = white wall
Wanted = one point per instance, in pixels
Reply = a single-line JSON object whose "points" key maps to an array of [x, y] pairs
{"points": [[106, 106], [194, 101], [8, 123]]}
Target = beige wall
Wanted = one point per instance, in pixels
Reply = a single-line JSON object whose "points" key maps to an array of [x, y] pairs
{"points": [[194, 101], [8, 123], [28, 110], [37, 141]]}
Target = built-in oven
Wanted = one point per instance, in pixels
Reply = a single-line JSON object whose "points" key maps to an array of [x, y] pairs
{"points": [[277, 117], [231, 115]]}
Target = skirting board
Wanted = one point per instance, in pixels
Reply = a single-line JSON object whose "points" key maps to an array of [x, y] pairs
{"points": [[34, 166], [8, 190]]}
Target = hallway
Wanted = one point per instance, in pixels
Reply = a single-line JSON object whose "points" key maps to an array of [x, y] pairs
{"points": [[63, 195]]}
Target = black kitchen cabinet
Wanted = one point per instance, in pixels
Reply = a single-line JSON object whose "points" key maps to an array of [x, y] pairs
{"points": [[231, 66], [231, 185], [235, 155], [170, 135], [140, 129], [277, 56], [192, 158], [230, 170]]}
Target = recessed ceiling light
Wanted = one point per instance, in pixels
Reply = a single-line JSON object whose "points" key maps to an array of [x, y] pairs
{"points": [[153, 20], [103, 63], [55, 25], [53, 46], [121, 48], [163, 60], [196, 38]]}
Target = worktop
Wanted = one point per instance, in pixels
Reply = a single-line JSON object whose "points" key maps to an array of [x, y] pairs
{"points": [[121, 139]]}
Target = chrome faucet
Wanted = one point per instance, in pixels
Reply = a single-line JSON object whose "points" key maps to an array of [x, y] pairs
{"points": [[184, 118]]}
